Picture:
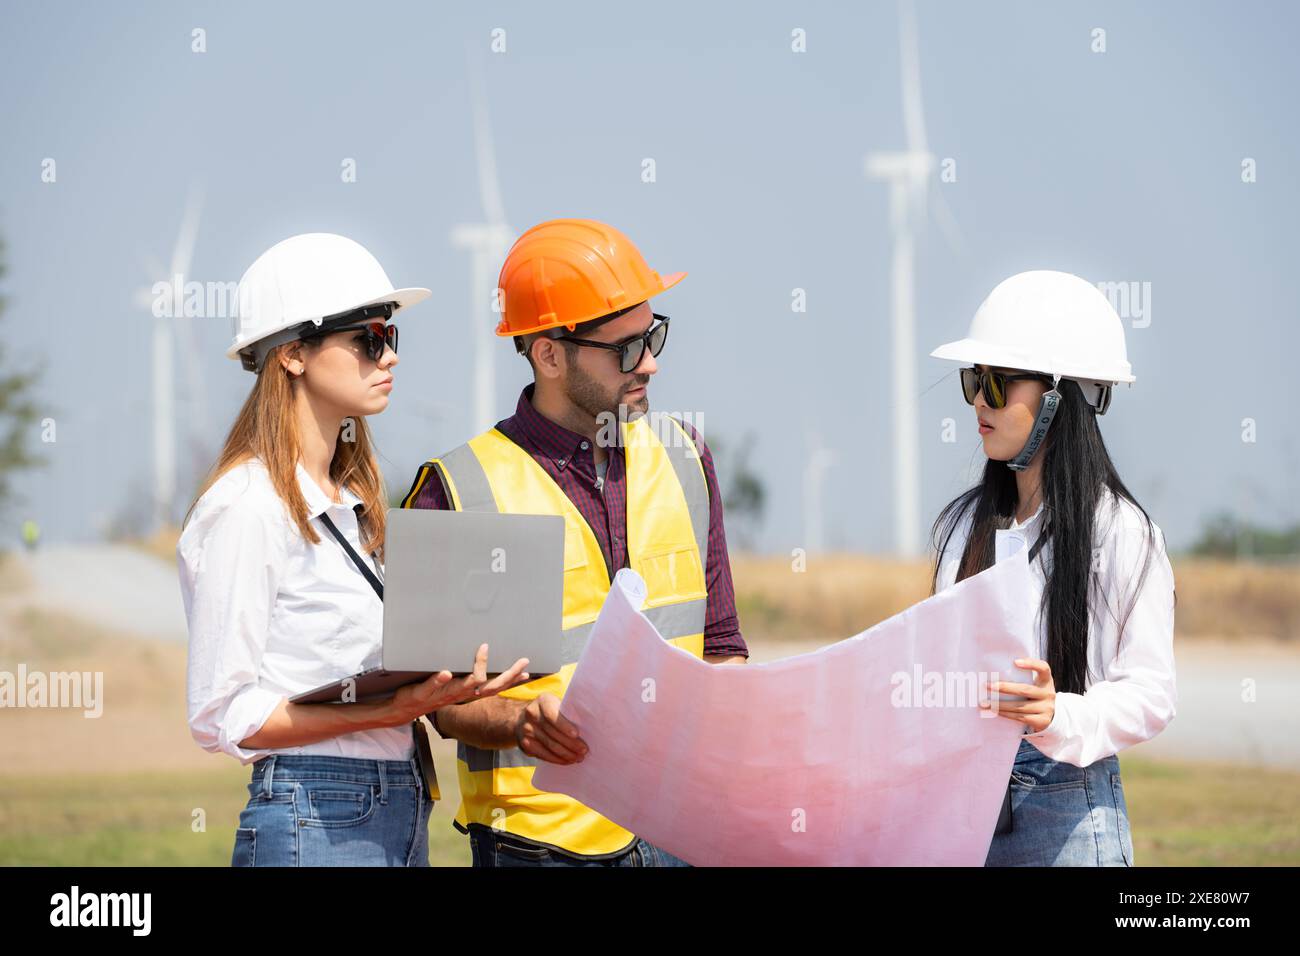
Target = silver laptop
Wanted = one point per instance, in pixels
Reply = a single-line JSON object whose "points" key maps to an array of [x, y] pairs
{"points": [[453, 580]]}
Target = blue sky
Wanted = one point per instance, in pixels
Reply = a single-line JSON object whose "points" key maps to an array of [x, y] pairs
{"points": [[1118, 166]]}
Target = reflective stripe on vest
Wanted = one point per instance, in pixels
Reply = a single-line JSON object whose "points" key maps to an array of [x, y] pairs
{"points": [[667, 542]]}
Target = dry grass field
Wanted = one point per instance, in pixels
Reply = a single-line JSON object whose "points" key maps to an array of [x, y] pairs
{"points": [[838, 595]]}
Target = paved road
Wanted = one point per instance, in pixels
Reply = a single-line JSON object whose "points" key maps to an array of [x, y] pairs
{"points": [[1213, 722], [120, 587]]}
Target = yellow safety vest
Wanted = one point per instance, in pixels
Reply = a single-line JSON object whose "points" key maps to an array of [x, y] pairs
{"points": [[667, 540]]}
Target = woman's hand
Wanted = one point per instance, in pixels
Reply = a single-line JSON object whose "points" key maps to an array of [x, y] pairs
{"points": [[441, 689], [1039, 707]]}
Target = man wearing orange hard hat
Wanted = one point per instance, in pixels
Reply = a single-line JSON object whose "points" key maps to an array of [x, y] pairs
{"points": [[636, 488]]}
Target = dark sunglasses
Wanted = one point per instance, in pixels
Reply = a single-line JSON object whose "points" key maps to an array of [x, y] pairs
{"points": [[631, 351], [376, 335], [992, 384]]}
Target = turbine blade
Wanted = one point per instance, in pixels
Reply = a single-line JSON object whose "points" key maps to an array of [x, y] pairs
{"points": [[948, 225], [489, 188], [157, 273], [183, 251], [910, 67]]}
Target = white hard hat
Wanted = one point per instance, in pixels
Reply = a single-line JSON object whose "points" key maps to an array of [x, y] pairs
{"points": [[1050, 322], [307, 278]]}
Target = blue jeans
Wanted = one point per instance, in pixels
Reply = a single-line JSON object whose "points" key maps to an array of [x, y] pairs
{"points": [[490, 848], [1062, 815], [306, 810]]}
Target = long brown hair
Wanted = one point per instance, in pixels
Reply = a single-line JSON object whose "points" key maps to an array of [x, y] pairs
{"points": [[267, 428]]}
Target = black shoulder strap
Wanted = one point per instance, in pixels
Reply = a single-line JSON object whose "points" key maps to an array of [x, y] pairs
{"points": [[352, 553], [1038, 546]]}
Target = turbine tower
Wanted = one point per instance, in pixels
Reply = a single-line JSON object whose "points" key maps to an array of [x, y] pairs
{"points": [[163, 357], [819, 460], [908, 174], [487, 243]]}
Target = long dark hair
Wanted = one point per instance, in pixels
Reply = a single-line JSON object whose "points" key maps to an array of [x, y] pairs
{"points": [[1077, 472]]}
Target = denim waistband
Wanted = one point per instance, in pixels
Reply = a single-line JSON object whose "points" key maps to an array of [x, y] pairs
{"points": [[319, 767], [1028, 753]]}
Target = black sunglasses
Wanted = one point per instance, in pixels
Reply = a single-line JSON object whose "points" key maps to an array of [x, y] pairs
{"points": [[992, 384], [377, 336], [631, 351]]}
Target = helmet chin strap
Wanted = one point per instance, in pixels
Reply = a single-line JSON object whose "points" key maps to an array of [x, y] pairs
{"points": [[1042, 421]]}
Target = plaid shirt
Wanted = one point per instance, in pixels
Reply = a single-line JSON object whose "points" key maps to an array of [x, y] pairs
{"points": [[567, 458]]}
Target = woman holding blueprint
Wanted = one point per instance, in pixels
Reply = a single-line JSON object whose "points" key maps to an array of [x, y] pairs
{"points": [[277, 596], [1043, 354]]}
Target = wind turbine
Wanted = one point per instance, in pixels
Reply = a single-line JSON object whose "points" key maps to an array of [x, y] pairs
{"points": [[487, 243], [908, 173], [164, 405], [815, 467]]}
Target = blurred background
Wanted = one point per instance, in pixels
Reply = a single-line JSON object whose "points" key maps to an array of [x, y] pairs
{"points": [[844, 184]]}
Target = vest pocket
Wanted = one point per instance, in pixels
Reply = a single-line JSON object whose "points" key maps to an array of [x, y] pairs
{"points": [[514, 781], [575, 553], [674, 573]]}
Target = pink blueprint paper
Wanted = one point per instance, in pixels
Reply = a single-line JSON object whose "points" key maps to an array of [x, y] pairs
{"points": [[872, 751]]}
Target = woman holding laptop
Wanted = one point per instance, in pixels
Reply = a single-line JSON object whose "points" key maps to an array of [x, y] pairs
{"points": [[278, 597]]}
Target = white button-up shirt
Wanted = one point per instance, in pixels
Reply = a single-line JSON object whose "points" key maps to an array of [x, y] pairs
{"points": [[272, 615], [1130, 696]]}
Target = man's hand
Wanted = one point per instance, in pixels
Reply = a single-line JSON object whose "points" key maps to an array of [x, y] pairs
{"points": [[542, 733]]}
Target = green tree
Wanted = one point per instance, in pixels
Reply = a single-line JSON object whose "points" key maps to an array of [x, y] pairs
{"points": [[744, 495], [1226, 536], [18, 414]]}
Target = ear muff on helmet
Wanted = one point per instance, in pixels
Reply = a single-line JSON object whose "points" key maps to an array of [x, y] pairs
{"points": [[1103, 395]]}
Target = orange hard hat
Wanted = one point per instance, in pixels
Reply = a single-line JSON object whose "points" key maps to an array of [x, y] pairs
{"points": [[568, 271]]}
